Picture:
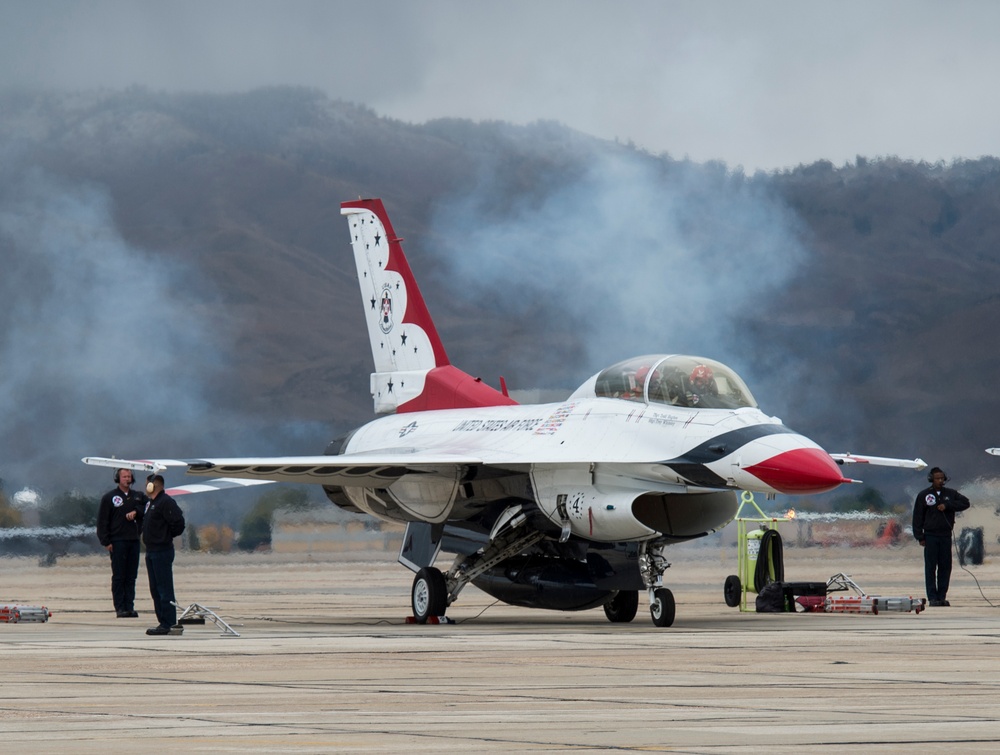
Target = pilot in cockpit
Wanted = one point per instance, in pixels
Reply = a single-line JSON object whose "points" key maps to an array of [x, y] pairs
{"points": [[701, 385], [665, 386], [636, 383]]}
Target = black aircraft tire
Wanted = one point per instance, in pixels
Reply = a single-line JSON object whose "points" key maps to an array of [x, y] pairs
{"points": [[429, 596], [663, 607], [623, 607], [733, 590]]}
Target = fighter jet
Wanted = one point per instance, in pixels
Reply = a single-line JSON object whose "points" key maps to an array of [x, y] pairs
{"points": [[566, 506]]}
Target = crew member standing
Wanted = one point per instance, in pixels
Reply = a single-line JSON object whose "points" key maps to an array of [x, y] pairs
{"points": [[933, 521], [119, 522], [163, 521]]}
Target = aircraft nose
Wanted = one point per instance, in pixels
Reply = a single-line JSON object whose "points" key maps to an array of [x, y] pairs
{"points": [[800, 470]]}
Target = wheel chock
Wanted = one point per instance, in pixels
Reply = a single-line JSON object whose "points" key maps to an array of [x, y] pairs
{"points": [[430, 620]]}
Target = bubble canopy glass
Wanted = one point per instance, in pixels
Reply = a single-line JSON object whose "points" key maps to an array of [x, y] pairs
{"points": [[677, 380]]}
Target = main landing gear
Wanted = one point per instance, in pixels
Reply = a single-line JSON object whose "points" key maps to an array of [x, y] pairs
{"points": [[433, 591], [429, 595], [623, 607]]}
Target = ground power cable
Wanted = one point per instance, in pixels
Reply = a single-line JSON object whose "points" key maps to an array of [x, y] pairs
{"points": [[961, 565]]}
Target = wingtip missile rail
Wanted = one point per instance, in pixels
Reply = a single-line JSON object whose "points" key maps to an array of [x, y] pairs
{"points": [[144, 466], [883, 461]]}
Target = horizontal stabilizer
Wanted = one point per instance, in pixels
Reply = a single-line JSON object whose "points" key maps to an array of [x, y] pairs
{"points": [[220, 483]]}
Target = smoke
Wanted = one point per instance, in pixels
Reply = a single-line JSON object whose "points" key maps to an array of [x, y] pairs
{"points": [[99, 341], [633, 256]]}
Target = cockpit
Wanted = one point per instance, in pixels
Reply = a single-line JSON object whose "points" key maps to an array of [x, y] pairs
{"points": [[676, 380]]}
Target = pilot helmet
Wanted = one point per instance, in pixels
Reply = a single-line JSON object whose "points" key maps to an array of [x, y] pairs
{"points": [[702, 376]]}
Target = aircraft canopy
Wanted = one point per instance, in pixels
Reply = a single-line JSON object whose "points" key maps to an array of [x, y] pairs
{"points": [[677, 380]]}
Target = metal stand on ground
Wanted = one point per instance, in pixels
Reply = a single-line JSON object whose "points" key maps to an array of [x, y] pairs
{"points": [[10, 614], [861, 602], [196, 614]]}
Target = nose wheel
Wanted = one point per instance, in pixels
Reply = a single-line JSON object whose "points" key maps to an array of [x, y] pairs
{"points": [[662, 607]]}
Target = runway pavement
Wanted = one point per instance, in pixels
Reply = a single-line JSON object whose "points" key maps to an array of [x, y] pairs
{"points": [[325, 663]]}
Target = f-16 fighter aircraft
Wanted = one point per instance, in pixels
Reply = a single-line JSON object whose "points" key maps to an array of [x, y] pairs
{"points": [[565, 506]]}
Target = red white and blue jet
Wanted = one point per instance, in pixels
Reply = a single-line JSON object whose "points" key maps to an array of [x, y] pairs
{"points": [[565, 506]]}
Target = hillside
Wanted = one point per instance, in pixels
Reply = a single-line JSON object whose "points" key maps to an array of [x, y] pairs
{"points": [[178, 278]]}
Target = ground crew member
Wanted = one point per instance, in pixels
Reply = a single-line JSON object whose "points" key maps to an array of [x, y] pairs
{"points": [[119, 522], [933, 521], [163, 521]]}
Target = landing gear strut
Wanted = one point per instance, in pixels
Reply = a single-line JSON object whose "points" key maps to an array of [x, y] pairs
{"points": [[434, 591], [652, 564]]}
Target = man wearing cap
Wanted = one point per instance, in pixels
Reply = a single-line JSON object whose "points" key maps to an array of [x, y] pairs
{"points": [[162, 522]]}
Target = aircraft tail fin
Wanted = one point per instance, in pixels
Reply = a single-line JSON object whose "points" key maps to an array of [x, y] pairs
{"points": [[412, 371]]}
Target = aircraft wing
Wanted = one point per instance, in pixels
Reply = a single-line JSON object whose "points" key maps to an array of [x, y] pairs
{"points": [[881, 461], [158, 466], [372, 469]]}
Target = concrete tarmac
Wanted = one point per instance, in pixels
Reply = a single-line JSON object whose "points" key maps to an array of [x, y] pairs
{"points": [[325, 663]]}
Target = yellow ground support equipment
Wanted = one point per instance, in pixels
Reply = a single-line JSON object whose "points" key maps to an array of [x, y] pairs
{"points": [[762, 542]]}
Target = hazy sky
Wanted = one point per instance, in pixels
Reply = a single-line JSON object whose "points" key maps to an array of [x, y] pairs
{"points": [[764, 85]]}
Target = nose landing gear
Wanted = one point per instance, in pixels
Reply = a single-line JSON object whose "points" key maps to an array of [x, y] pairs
{"points": [[652, 564]]}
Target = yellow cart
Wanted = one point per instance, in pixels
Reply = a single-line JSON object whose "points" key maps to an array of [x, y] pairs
{"points": [[752, 546]]}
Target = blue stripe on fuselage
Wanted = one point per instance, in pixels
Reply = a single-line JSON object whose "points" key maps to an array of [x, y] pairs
{"points": [[691, 466]]}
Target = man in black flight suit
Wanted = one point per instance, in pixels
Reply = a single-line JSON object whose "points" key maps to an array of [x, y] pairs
{"points": [[119, 522], [933, 521], [162, 522]]}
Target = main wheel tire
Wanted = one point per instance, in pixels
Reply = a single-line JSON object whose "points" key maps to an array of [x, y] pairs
{"points": [[623, 607], [663, 608], [733, 590], [429, 596]]}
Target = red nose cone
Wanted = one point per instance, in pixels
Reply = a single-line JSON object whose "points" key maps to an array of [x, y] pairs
{"points": [[803, 470]]}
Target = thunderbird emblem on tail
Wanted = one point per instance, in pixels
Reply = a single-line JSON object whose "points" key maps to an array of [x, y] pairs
{"points": [[566, 506]]}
